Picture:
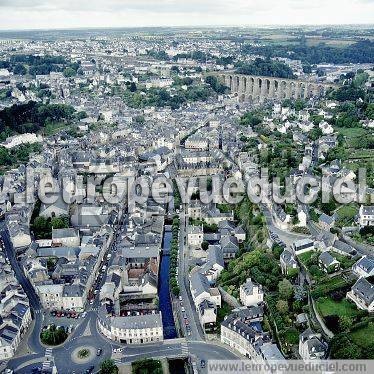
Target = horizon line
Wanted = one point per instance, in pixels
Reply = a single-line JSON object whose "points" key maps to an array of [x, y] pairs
{"points": [[187, 26]]}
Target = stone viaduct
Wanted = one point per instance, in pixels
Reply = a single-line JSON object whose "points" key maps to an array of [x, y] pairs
{"points": [[257, 89]]}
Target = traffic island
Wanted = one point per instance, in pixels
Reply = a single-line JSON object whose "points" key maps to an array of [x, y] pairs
{"points": [[82, 355]]}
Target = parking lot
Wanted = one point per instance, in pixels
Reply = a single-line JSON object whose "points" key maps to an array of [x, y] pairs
{"points": [[67, 319]]}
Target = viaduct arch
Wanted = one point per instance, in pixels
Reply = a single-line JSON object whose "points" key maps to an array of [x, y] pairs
{"points": [[257, 88]]}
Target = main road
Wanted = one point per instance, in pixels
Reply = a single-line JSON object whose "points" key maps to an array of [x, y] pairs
{"points": [[86, 333], [184, 284]]}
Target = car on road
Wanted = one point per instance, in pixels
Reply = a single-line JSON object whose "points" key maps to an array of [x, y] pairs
{"points": [[202, 364], [99, 352], [90, 369], [183, 309]]}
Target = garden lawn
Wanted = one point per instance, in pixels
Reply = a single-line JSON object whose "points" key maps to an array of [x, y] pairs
{"points": [[351, 132], [304, 257], [330, 284], [291, 336], [364, 336], [329, 307], [347, 211], [345, 262]]}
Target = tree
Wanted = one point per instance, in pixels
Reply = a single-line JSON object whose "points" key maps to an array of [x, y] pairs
{"points": [[60, 222], [133, 87], [266, 67], [147, 366], [299, 104], [277, 250], [108, 367], [345, 322], [285, 289], [5, 158], [343, 348], [369, 112], [40, 224], [53, 335], [315, 271], [69, 72], [348, 93], [307, 68], [20, 69], [204, 245], [315, 133], [251, 119], [216, 86], [282, 306]]}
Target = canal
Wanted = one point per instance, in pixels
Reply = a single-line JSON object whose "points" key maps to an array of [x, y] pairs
{"points": [[164, 289]]}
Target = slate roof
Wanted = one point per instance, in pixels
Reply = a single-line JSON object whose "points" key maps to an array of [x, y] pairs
{"points": [[364, 290]]}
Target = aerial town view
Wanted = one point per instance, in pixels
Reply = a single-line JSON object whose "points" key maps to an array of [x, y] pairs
{"points": [[186, 186]]}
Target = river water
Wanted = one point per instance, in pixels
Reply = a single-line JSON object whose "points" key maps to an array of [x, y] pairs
{"points": [[164, 289]]}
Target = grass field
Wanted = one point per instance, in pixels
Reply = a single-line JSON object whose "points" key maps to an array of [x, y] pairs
{"points": [[363, 337], [291, 336], [330, 284], [351, 132], [329, 307], [339, 43], [345, 262], [304, 257], [362, 153], [347, 211]]}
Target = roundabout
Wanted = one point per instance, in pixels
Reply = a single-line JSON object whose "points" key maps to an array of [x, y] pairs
{"points": [[83, 355]]}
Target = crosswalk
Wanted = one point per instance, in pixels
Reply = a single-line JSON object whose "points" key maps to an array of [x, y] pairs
{"points": [[184, 348], [117, 361], [46, 365], [48, 358]]}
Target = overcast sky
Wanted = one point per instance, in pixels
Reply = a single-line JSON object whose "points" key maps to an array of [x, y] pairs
{"points": [[51, 14]]}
